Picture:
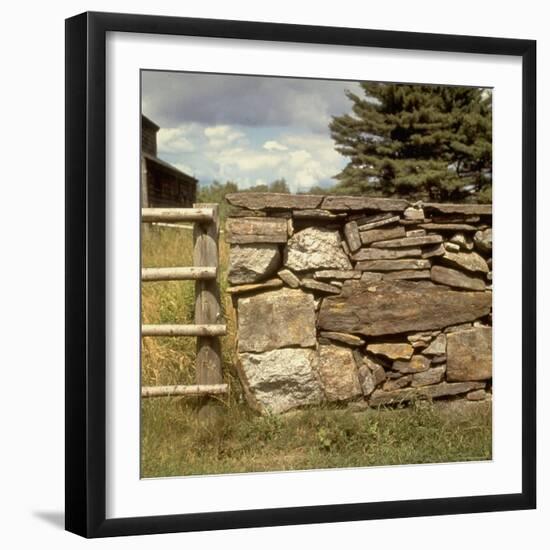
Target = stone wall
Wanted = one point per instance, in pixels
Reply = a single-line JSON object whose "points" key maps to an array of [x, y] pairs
{"points": [[359, 300]]}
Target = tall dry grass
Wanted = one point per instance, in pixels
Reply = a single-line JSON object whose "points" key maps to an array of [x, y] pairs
{"points": [[167, 361]]}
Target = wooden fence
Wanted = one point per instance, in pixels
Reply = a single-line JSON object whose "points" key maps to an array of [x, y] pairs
{"points": [[208, 312]]}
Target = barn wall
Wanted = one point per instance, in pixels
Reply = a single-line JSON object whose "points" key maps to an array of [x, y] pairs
{"points": [[148, 138]]}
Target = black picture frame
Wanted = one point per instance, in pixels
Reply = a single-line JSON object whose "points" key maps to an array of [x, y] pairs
{"points": [[86, 269]]}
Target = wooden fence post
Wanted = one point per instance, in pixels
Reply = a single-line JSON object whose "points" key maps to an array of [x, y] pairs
{"points": [[208, 309]]}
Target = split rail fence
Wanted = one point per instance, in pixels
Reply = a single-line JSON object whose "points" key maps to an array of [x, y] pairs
{"points": [[207, 327]]}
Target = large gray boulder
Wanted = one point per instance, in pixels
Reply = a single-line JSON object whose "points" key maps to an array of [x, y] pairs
{"points": [[249, 263], [338, 372], [469, 354], [278, 319], [256, 230], [315, 248], [282, 379]]}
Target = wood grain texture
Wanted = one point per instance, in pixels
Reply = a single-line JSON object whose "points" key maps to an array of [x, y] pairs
{"points": [[207, 298], [177, 214], [173, 391], [177, 273], [184, 330]]}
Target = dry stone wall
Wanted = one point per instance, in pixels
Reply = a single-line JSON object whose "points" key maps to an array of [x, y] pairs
{"points": [[369, 301]]}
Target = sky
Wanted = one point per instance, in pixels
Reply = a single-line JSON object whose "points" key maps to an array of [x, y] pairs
{"points": [[247, 129]]}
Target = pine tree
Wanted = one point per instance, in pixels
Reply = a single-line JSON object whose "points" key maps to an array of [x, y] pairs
{"points": [[425, 142]]}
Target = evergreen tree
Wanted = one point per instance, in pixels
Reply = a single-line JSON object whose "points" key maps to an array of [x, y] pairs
{"points": [[425, 142]]}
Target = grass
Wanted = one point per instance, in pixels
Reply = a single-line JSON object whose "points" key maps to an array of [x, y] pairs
{"points": [[175, 443]]}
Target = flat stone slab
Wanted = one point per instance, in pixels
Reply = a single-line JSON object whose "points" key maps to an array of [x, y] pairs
{"points": [[250, 263], [283, 201], [315, 248], [386, 254], [338, 274], [415, 233], [433, 250], [338, 373], [410, 274], [409, 241], [397, 383], [373, 235], [469, 354], [342, 337], [277, 319], [455, 278], [469, 261], [417, 363], [452, 218], [465, 209], [444, 389], [351, 232], [318, 286], [282, 379], [392, 350], [448, 227], [392, 265], [342, 202], [437, 346], [372, 222], [289, 278], [245, 213], [371, 276], [317, 214], [254, 287], [391, 307], [256, 230], [433, 375]]}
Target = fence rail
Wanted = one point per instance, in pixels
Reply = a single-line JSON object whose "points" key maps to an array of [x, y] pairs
{"points": [[183, 330], [177, 273], [196, 214], [208, 312], [174, 391]]}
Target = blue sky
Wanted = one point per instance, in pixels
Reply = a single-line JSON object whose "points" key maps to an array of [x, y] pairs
{"points": [[247, 129]]}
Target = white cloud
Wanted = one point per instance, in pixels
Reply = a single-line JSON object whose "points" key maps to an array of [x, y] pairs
{"points": [[222, 136], [177, 140], [230, 153], [273, 145]]}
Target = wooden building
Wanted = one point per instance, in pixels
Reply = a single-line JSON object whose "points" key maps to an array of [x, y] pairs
{"points": [[162, 185]]}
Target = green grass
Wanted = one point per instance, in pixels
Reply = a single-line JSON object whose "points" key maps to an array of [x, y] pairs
{"points": [[175, 442]]}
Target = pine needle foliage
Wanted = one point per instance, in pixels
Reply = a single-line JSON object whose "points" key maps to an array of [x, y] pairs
{"points": [[420, 141]]}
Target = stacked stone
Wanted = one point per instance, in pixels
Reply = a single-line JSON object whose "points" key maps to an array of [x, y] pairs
{"points": [[357, 299]]}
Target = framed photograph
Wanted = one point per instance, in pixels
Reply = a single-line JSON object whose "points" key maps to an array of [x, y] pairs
{"points": [[284, 300]]}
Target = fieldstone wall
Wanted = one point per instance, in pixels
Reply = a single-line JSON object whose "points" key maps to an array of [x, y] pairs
{"points": [[364, 300]]}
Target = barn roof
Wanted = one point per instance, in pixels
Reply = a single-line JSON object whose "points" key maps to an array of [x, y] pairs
{"points": [[163, 165], [149, 122]]}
